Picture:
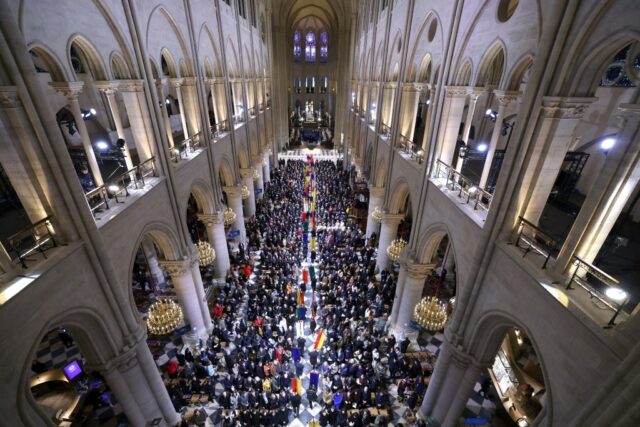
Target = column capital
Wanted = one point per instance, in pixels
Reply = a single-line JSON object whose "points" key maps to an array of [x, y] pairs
{"points": [[392, 219], [108, 87], [257, 160], [176, 82], [160, 82], [456, 91], [130, 85], [506, 97], [475, 92], [390, 85], [176, 268], [418, 271], [126, 357], [246, 172], [9, 97], [413, 86], [629, 110], [188, 81], [233, 191], [69, 89], [557, 107], [211, 219], [376, 191]]}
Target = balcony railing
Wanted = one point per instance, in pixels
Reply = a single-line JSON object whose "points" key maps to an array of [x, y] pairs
{"points": [[584, 272], [219, 128], [407, 146], [118, 187], [36, 238], [261, 106], [455, 181], [182, 149], [253, 111], [384, 130], [535, 239]]}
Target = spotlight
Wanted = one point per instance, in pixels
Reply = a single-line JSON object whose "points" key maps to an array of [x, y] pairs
{"points": [[489, 112], [607, 144], [113, 188], [102, 145], [93, 111], [482, 147], [428, 102], [167, 101], [473, 190], [616, 294], [120, 143]]}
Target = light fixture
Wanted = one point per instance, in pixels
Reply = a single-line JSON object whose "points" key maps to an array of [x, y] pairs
{"points": [[607, 143], [244, 192], [93, 111], [420, 155], [431, 314], [102, 145], [473, 190], [482, 147], [395, 249], [377, 214], [616, 294], [256, 175], [164, 317], [206, 253], [428, 102], [264, 162], [489, 112], [113, 188], [229, 217], [167, 101]]}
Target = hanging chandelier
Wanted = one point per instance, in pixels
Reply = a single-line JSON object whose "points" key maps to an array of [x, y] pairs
{"points": [[377, 214], [395, 249], [164, 317], [244, 192], [264, 162], [431, 314], [229, 217], [206, 253], [256, 175]]}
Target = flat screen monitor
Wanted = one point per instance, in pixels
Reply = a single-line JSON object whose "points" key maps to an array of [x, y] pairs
{"points": [[72, 370]]}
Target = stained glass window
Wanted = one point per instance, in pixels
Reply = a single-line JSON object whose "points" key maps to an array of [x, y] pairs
{"points": [[310, 47], [297, 50], [324, 47]]}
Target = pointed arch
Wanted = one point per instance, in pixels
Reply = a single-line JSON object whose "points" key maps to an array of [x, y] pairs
{"points": [[119, 69], [518, 72], [225, 172], [40, 52], [217, 63], [424, 72], [491, 70], [90, 55], [167, 58], [203, 194], [176, 30], [463, 77]]}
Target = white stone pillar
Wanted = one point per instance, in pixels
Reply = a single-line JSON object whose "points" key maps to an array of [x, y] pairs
{"points": [[165, 113], [388, 232], [202, 298], [218, 239], [72, 90], [415, 276], [238, 102], [266, 168], [258, 184], [462, 376], [177, 83], [139, 118], [410, 100], [388, 95], [152, 261], [555, 130], [190, 99], [452, 111], [235, 203], [474, 94], [504, 98], [109, 89], [376, 200], [397, 298], [250, 202], [185, 287], [219, 99]]}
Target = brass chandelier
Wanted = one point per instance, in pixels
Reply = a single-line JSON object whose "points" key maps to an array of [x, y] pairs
{"points": [[395, 249], [206, 253], [229, 217], [377, 214], [244, 192], [431, 314], [256, 175], [164, 317]]}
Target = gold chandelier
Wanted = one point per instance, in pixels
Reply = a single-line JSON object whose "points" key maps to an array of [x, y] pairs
{"points": [[229, 217], [377, 214], [431, 314], [164, 317], [264, 162], [244, 192], [395, 249], [256, 175], [206, 253]]}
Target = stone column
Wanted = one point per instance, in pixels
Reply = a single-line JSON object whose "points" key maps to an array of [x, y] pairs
{"points": [[266, 169], [202, 298], [219, 99], [218, 239], [109, 89], [610, 193], [238, 99], [375, 87], [135, 381], [185, 287], [415, 276], [409, 110], [190, 99], [427, 119], [376, 199], [177, 83], [250, 202], [260, 91], [388, 95], [258, 184], [504, 98], [165, 113], [397, 298], [555, 131], [152, 261], [235, 203], [474, 94], [139, 117], [450, 123], [72, 90], [388, 232]]}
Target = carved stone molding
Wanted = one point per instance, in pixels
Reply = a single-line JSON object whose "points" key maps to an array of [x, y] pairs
{"points": [[69, 89], [211, 219], [107, 87], [175, 82], [565, 108], [232, 191], [246, 172], [475, 92], [392, 218], [418, 271], [130, 85], [413, 87], [506, 97], [390, 85], [376, 191], [188, 81], [456, 91], [176, 268], [9, 97]]}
